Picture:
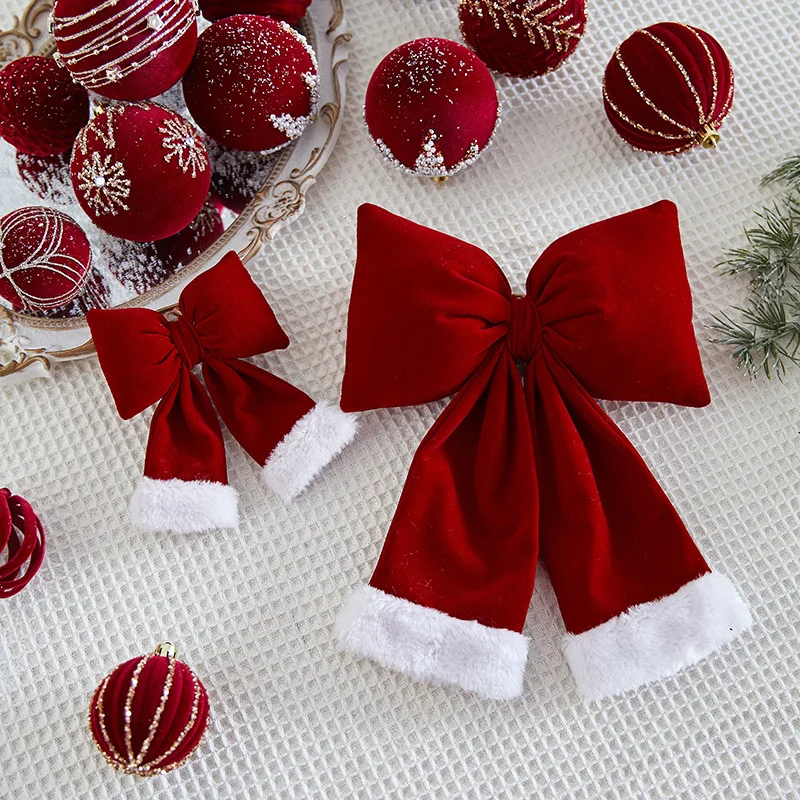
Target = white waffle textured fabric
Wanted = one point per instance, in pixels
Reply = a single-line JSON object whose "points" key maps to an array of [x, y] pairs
{"points": [[252, 611]]}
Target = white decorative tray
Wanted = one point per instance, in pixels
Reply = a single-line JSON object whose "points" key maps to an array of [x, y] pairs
{"points": [[31, 345]]}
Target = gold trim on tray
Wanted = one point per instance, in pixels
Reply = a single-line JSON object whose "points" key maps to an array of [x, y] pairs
{"points": [[281, 200]]}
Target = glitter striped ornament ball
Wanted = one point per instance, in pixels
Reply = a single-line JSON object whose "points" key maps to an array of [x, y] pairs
{"points": [[126, 49], [431, 107], [523, 38], [45, 258], [667, 88], [140, 171], [148, 716]]}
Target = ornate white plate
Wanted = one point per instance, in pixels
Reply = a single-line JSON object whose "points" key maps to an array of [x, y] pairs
{"points": [[30, 346]]}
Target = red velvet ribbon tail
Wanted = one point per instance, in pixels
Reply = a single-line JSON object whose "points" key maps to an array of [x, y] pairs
{"points": [[258, 408], [610, 537]]}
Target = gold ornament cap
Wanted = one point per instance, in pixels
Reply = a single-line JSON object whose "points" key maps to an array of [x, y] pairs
{"points": [[167, 649], [708, 137]]}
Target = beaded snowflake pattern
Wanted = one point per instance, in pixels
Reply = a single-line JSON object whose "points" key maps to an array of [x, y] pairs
{"points": [[104, 184], [182, 143]]}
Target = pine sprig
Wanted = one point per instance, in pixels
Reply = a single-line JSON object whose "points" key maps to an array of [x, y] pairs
{"points": [[764, 334]]}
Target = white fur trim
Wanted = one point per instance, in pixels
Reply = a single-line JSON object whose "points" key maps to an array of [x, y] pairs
{"points": [[654, 640], [183, 506], [315, 439], [430, 646]]}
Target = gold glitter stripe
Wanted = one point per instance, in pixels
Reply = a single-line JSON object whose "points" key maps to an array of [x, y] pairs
{"points": [[149, 767], [701, 114], [712, 66], [636, 125], [129, 703], [101, 718], [151, 731], [645, 98]]}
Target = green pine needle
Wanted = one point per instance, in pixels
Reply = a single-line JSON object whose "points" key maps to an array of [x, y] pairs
{"points": [[787, 172]]}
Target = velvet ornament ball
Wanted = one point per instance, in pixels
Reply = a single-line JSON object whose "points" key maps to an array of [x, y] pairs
{"points": [[148, 716], [45, 258], [126, 49], [291, 11], [22, 543], [253, 83], [140, 171], [667, 88], [431, 107], [41, 107], [523, 38]]}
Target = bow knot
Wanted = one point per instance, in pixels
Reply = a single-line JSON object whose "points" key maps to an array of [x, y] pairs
{"points": [[524, 329], [186, 341]]}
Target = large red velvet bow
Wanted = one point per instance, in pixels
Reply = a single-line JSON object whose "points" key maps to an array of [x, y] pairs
{"points": [[148, 358], [511, 468]]}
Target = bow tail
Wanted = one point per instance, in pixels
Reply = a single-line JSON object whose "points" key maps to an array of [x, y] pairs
{"points": [[185, 484], [450, 593], [289, 435], [638, 600]]}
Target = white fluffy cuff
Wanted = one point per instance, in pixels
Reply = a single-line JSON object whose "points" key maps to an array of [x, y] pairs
{"points": [[430, 646], [183, 506], [316, 439], [654, 640]]}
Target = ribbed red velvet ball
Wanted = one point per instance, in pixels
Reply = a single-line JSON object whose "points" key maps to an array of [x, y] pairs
{"points": [[23, 540], [149, 714], [140, 171], [45, 258], [41, 107], [126, 49], [291, 11], [431, 107], [253, 83], [523, 38], [668, 88]]}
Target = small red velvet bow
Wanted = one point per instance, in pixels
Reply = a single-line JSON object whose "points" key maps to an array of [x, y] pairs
{"points": [[147, 358], [512, 469], [22, 533]]}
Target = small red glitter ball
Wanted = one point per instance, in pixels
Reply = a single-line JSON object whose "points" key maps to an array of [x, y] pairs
{"points": [[126, 49], [667, 88], [140, 171], [22, 540], [431, 107], [253, 83], [149, 714], [291, 11], [45, 258], [523, 38], [41, 107]]}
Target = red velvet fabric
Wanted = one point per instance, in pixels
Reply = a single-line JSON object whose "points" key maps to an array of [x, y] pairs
{"points": [[23, 540], [521, 38], [174, 733], [224, 317], [291, 11], [431, 85], [41, 107], [684, 74], [512, 468]]}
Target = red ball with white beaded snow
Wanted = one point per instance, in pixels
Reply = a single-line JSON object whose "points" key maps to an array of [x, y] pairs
{"points": [[149, 715], [41, 107], [253, 83], [140, 171], [431, 107], [126, 49], [45, 258]]}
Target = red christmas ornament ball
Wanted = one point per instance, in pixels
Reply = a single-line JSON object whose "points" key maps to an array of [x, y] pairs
{"points": [[523, 38], [431, 107], [45, 258], [41, 107], [22, 540], [291, 11], [667, 88], [140, 171], [149, 714], [253, 83], [126, 49]]}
